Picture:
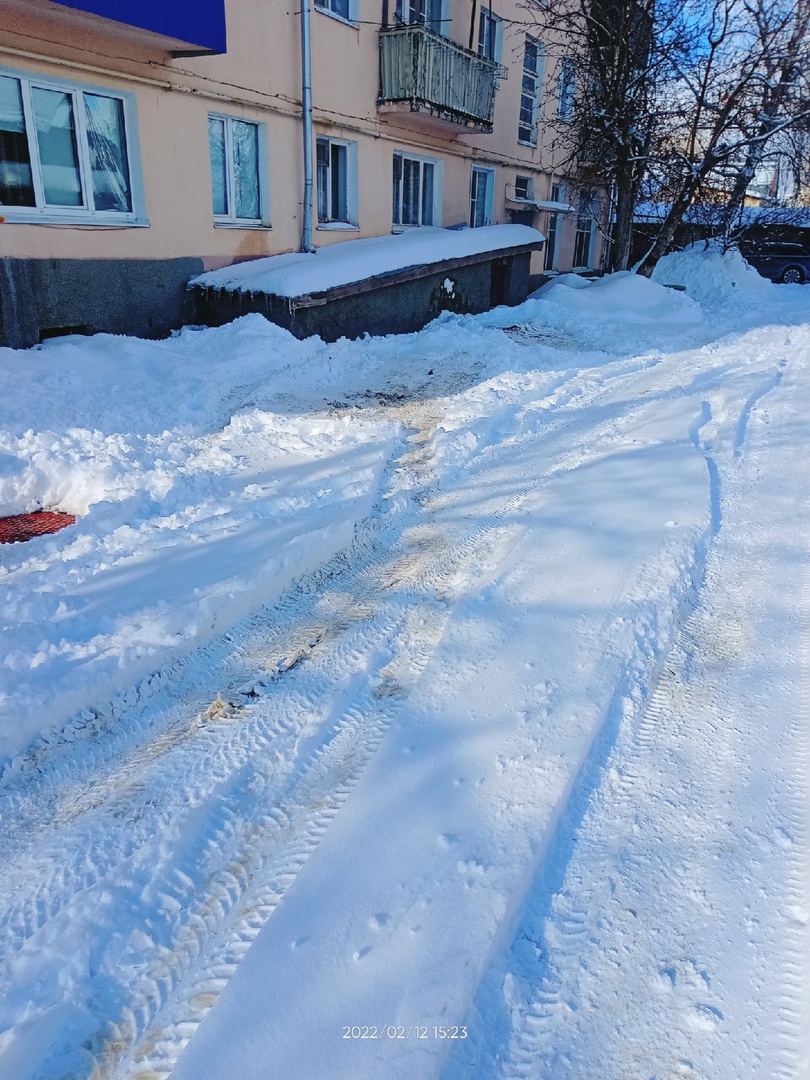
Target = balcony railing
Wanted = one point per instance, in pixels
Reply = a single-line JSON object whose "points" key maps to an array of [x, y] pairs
{"points": [[431, 72]]}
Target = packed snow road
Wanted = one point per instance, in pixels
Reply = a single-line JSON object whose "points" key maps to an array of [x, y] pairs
{"points": [[421, 708]]}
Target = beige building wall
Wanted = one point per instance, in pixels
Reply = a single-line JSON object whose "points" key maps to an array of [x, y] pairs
{"points": [[259, 79]]}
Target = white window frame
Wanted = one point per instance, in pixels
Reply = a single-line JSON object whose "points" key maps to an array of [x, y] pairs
{"points": [[538, 86], [440, 8], [325, 8], [487, 12], [352, 208], [489, 197], [551, 260], [588, 208], [230, 220], [529, 196], [44, 214], [438, 177], [566, 90]]}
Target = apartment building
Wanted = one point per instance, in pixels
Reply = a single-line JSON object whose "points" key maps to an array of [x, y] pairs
{"points": [[145, 141]]}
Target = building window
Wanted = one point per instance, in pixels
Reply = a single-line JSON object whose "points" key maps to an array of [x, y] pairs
{"points": [[482, 194], [586, 230], [417, 190], [237, 186], [421, 13], [530, 91], [553, 229], [566, 90], [67, 152], [336, 161], [524, 188], [489, 35], [344, 9]]}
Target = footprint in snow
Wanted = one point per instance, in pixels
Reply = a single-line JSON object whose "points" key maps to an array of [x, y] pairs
{"points": [[705, 1017]]}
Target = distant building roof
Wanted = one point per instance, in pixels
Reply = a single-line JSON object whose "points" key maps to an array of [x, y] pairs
{"points": [[705, 214]]}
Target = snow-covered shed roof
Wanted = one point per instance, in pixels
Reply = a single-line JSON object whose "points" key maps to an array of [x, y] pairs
{"points": [[300, 274]]}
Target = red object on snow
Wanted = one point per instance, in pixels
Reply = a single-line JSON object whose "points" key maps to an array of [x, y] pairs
{"points": [[13, 530]]}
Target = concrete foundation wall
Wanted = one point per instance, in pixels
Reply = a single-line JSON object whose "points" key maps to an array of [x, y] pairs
{"points": [[142, 297], [396, 308]]}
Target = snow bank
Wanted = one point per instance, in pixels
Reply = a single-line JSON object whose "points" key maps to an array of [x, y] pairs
{"points": [[616, 313], [212, 469], [626, 297], [299, 274], [192, 516], [570, 281], [713, 277]]}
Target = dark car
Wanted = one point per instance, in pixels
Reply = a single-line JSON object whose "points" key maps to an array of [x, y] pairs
{"points": [[788, 263]]}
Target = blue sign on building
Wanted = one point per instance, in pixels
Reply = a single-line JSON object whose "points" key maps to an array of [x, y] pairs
{"points": [[198, 23]]}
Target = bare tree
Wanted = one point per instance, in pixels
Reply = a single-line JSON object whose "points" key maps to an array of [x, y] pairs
{"points": [[687, 98], [620, 50], [779, 95], [740, 86]]}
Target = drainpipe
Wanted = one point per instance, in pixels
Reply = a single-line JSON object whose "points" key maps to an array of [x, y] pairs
{"points": [[306, 103], [472, 23]]}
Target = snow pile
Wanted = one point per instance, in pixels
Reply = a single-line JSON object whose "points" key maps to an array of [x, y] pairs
{"points": [[193, 516], [120, 410], [627, 298], [570, 281], [614, 313], [299, 274], [714, 277]]}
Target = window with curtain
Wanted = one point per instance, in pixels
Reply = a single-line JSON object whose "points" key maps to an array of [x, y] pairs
{"points": [[64, 150], [236, 180]]}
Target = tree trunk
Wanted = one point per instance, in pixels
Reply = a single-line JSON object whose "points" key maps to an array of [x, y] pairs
{"points": [[737, 198], [663, 241], [625, 208], [753, 159]]}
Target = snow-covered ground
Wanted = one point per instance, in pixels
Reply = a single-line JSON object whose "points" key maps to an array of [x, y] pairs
{"points": [[419, 707]]}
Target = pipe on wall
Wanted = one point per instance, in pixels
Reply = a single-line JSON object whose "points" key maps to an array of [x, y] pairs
{"points": [[306, 103], [472, 23]]}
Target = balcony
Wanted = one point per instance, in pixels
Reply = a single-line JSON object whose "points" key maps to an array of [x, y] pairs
{"points": [[433, 74]]}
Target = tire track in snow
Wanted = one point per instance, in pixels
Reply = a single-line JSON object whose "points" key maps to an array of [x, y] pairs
{"points": [[149, 788], [327, 774], [305, 773], [565, 917]]}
